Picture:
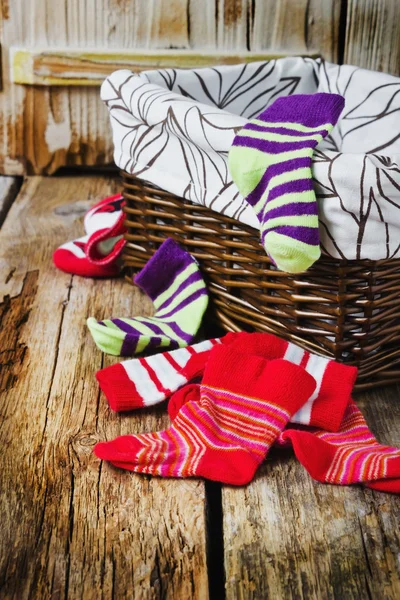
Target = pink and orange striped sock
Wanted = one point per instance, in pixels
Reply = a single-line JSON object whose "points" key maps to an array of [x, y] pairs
{"points": [[226, 434], [351, 455]]}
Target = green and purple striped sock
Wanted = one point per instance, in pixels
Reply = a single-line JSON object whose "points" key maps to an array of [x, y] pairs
{"points": [[270, 162], [173, 281]]}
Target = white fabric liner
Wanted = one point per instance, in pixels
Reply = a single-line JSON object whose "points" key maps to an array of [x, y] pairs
{"points": [[174, 128]]}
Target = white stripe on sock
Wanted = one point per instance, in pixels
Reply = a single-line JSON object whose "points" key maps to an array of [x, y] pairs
{"points": [[183, 355], [316, 366], [145, 387], [165, 372], [202, 346], [167, 375], [294, 354]]}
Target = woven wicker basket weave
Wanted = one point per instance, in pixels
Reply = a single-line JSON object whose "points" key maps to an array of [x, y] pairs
{"points": [[348, 310]]}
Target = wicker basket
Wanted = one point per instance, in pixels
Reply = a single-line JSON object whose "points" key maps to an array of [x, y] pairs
{"points": [[347, 310]]}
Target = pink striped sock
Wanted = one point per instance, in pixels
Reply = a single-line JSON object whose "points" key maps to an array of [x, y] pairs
{"points": [[350, 455], [226, 434]]}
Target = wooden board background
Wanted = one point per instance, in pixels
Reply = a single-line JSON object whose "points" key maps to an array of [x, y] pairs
{"points": [[44, 128], [69, 528], [78, 529], [287, 536]]}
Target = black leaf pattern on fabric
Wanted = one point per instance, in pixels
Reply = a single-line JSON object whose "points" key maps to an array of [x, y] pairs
{"points": [[194, 115]]}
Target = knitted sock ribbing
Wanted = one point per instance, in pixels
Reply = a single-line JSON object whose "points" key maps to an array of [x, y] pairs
{"points": [[226, 434], [270, 162], [173, 281]]}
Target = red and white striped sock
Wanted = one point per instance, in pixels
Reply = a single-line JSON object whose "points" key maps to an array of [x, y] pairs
{"points": [[350, 455], [226, 432], [149, 380], [146, 381], [97, 253]]}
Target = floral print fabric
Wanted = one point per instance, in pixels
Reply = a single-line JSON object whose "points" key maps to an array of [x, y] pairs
{"points": [[174, 128]]}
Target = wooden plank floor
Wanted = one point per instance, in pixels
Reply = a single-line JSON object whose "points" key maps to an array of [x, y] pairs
{"points": [[72, 527], [287, 536]]}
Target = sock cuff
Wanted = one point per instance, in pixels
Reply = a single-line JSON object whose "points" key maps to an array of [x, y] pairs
{"points": [[119, 390], [162, 268], [93, 244], [276, 381], [311, 110], [334, 396], [98, 208]]}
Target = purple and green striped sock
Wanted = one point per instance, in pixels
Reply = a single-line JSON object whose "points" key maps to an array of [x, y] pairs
{"points": [[270, 162], [173, 281]]}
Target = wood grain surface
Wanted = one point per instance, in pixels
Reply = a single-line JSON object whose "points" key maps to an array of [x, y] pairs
{"points": [[288, 537], [373, 35], [61, 67], [43, 128], [301, 25], [8, 190], [73, 527]]}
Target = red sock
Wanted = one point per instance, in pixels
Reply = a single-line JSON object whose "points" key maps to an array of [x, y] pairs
{"points": [[191, 391], [97, 253], [71, 258], [335, 381], [351, 455], [226, 434], [147, 381]]}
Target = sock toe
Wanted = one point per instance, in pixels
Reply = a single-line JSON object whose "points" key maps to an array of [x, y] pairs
{"points": [[295, 384], [122, 449], [291, 255], [108, 340]]}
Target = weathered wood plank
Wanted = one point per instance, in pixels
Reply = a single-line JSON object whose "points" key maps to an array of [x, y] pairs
{"points": [[286, 536], [84, 67], [43, 128], [373, 35], [304, 26], [233, 21], [8, 192], [73, 527]]}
